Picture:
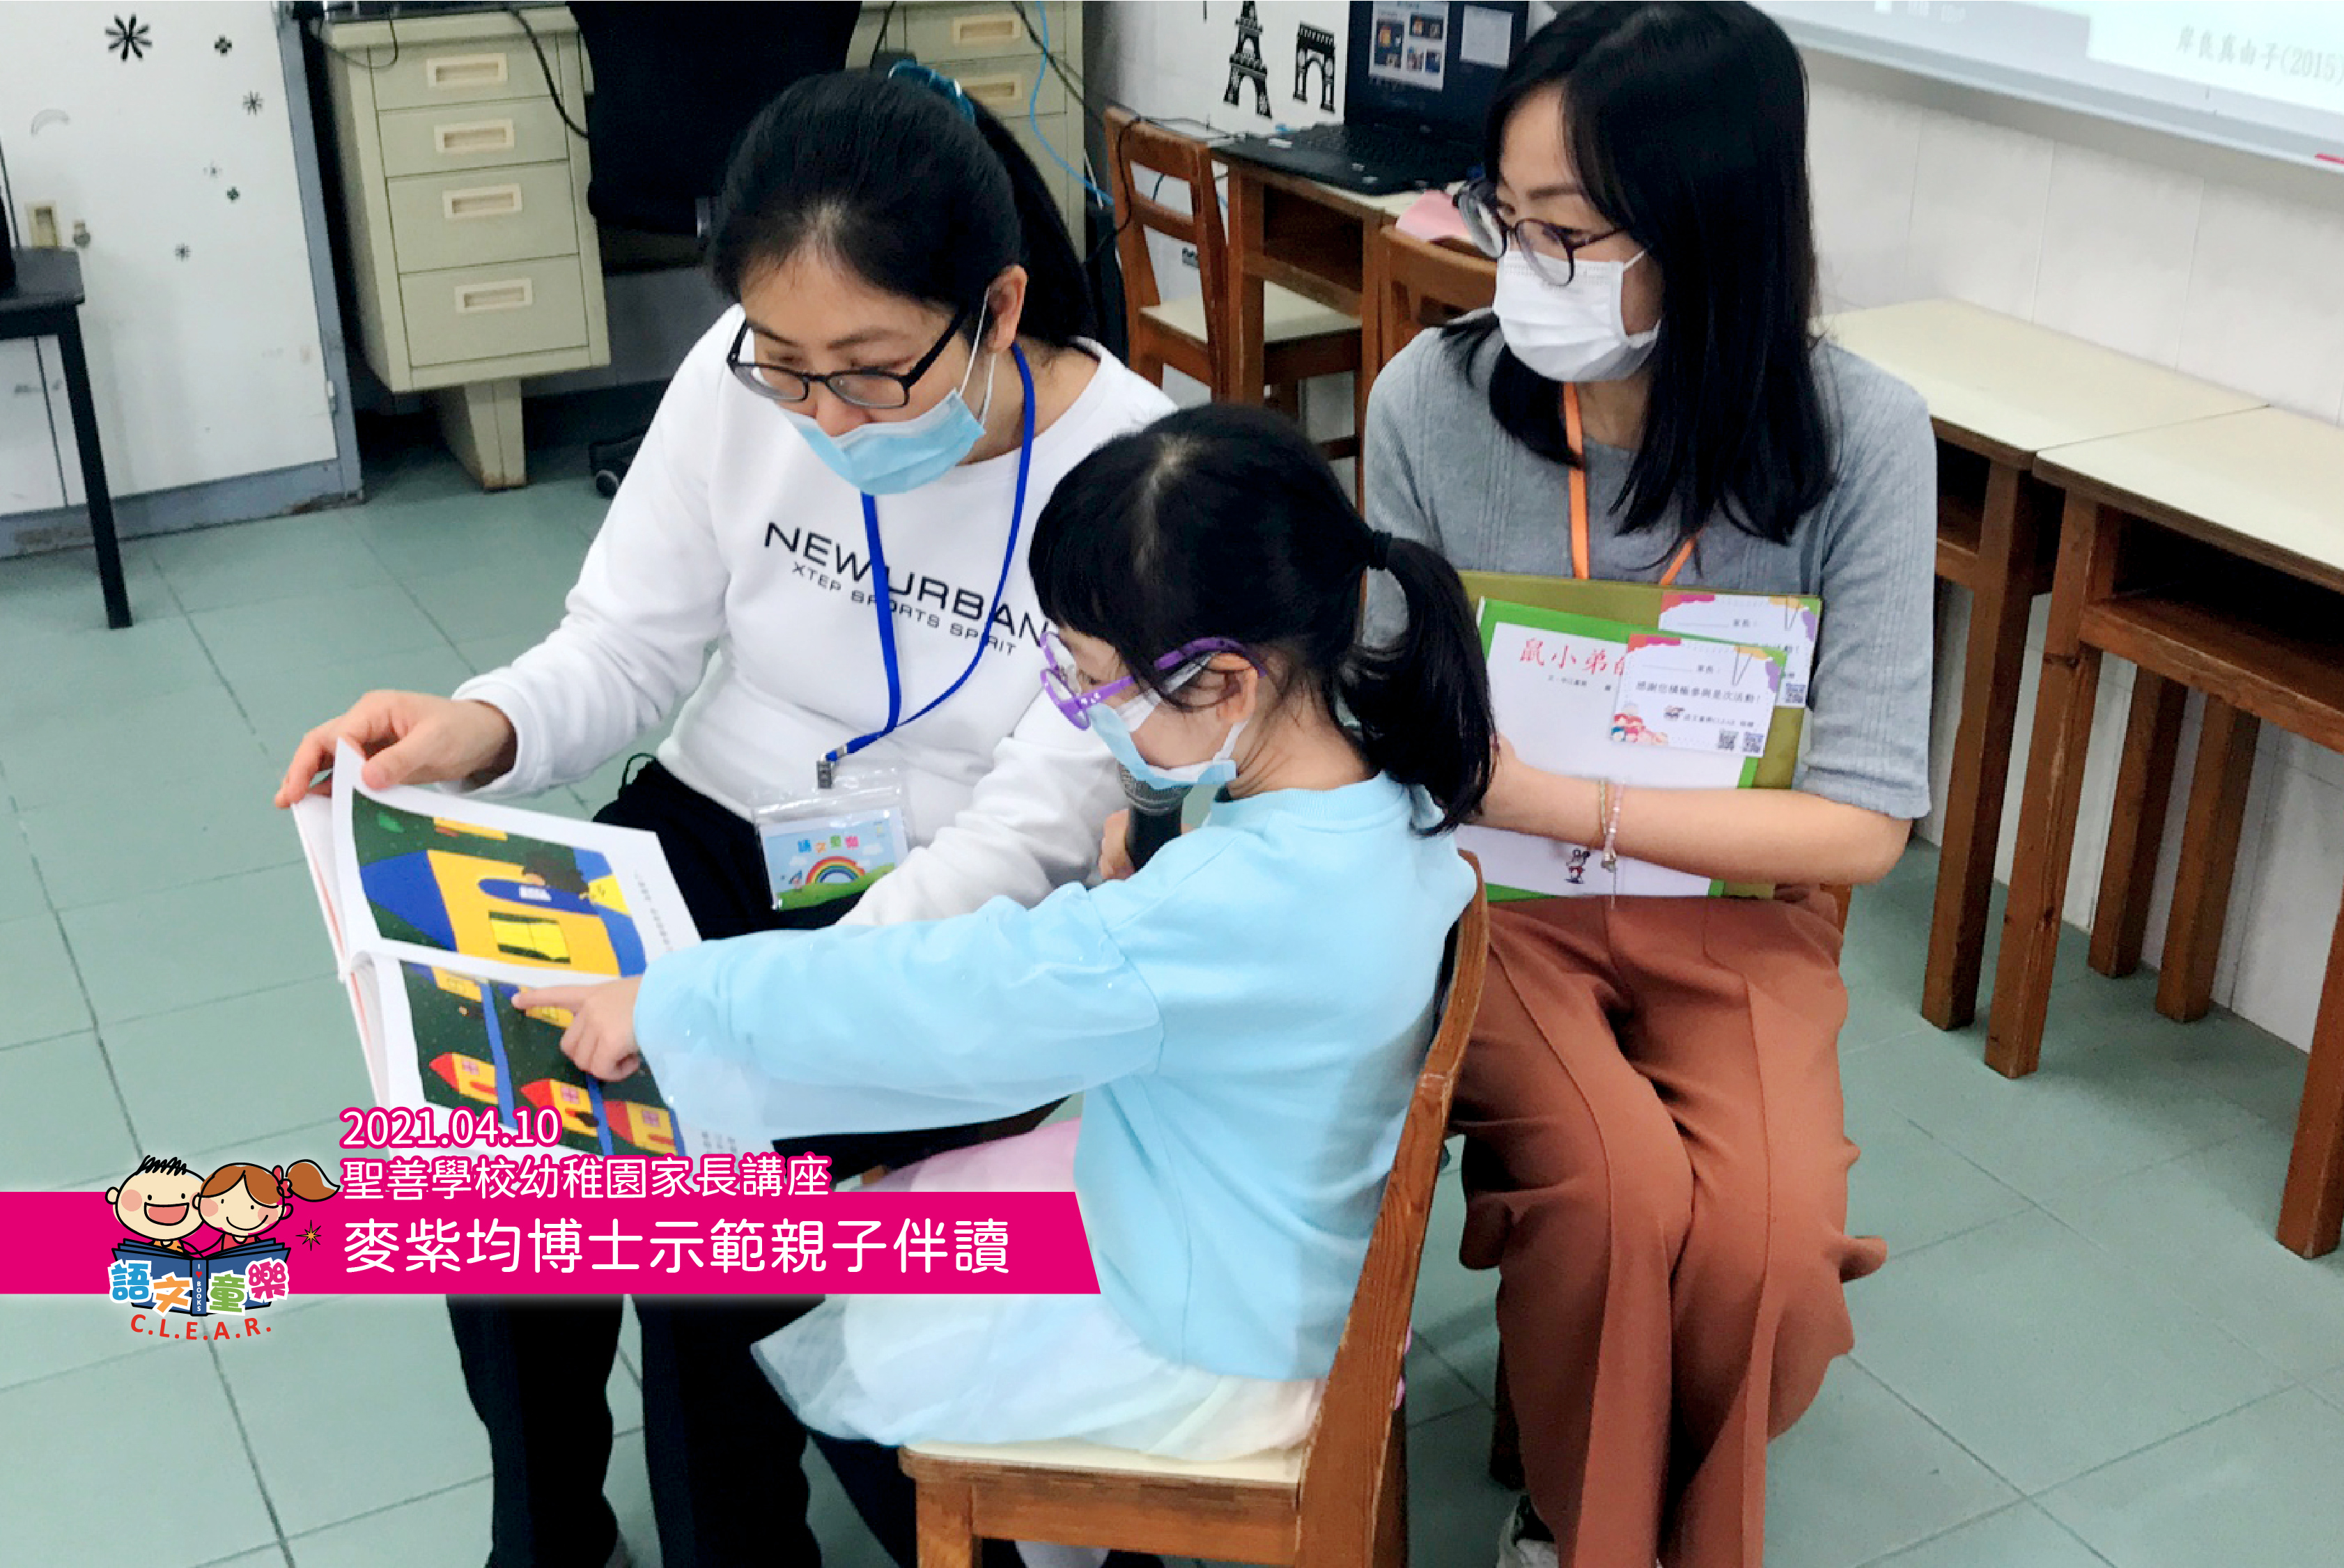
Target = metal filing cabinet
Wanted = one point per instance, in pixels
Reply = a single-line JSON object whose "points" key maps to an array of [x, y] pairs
{"points": [[987, 50], [476, 261]]}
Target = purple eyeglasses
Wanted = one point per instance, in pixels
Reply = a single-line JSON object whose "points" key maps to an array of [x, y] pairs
{"points": [[1062, 684]]}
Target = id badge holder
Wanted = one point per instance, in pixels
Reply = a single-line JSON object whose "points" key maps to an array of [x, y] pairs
{"points": [[835, 840]]}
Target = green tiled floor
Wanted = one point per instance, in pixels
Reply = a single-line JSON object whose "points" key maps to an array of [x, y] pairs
{"points": [[2087, 1350]]}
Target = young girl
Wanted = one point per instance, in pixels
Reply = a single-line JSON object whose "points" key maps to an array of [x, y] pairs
{"points": [[1246, 1013], [242, 1201]]}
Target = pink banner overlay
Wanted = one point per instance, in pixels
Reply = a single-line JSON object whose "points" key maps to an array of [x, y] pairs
{"points": [[541, 1233]]}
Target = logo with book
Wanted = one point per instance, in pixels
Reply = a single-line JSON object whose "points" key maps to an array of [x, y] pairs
{"points": [[197, 1260]]}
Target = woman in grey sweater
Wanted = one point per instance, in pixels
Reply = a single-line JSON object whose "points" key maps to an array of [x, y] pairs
{"points": [[1657, 1161]]}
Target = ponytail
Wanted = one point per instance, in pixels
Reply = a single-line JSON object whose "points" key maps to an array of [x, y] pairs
{"points": [[1422, 703], [1226, 521], [914, 196]]}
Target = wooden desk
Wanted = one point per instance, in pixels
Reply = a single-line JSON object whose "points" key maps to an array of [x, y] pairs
{"points": [[2001, 391], [2210, 555], [1312, 238]]}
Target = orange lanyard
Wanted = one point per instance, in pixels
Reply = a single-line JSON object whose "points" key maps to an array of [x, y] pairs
{"points": [[1572, 430]]}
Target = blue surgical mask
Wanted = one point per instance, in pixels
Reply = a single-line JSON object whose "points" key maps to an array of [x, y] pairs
{"points": [[1113, 725], [892, 456]]}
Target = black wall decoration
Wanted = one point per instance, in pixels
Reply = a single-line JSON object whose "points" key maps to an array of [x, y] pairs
{"points": [[1314, 46], [1244, 62], [221, 46], [130, 37], [252, 102]]}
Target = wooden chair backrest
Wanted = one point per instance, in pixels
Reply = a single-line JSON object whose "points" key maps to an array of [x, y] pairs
{"points": [[1343, 1467], [1134, 144], [1425, 284]]}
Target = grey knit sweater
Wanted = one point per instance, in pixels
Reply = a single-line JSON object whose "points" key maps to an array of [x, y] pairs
{"points": [[1441, 469]]}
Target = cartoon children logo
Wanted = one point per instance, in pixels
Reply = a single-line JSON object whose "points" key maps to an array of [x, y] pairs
{"points": [[198, 1245], [157, 1203], [242, 1200]]}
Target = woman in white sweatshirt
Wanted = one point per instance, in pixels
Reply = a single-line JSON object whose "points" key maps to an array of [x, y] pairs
{"points": [[836, 496]]}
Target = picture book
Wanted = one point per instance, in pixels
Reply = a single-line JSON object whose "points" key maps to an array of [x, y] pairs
{"points": [[1600, 698], [241, 1279], [1791, 622], [440, 909]]}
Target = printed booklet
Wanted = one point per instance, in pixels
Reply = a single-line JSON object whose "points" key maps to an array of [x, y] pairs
{"points": [[440, 909]]}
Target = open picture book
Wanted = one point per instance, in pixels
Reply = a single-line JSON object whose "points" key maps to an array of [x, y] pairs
{"points": [[441, 909]]}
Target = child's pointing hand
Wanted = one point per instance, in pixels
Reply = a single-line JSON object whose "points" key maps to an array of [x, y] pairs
{"points": [[601, 1034]]}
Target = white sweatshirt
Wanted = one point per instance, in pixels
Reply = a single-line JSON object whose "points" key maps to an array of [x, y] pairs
{"points": [[729, 530]]}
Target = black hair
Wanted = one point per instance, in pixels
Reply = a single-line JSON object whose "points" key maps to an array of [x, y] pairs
{"points": [[892, 178], [1225, 522], [169, 1165], [1689, 128]]}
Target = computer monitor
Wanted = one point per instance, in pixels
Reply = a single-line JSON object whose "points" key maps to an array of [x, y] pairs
{"points": [[1428, 66]]}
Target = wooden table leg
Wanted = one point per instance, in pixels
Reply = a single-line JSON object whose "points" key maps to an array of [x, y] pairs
{"points": [[95, 493], [2143, 791], [1992, 670], [1244, 356], [2209, 852], [2054, 791], [1371, 336], [2312, 1212]]}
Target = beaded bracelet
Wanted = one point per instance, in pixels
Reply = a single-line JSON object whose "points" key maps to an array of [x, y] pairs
{"points": [[1613, 793]]}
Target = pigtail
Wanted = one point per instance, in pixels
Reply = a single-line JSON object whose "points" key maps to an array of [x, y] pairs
{"points": [[1422, 703]]}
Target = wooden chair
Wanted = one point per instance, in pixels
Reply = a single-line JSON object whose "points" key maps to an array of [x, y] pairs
{"points": [[1300, 338], [1340, 1499], [1420, 285], [1505, 1430]]}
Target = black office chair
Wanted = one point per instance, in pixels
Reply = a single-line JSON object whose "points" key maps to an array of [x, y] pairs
{"points": [[675, 84]]}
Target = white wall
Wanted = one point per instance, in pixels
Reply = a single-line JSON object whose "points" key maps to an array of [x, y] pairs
{"points": [[205, 368], [2218, 265], [2223, 266]]}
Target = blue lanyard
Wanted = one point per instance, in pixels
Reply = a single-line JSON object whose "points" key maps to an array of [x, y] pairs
{"points": [[882, 598]]}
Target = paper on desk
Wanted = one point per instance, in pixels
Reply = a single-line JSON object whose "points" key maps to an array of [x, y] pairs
{"points": [[1433, 217]]}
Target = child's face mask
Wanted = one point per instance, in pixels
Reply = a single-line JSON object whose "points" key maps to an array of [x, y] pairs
{"points": [[1114, 726], [1115, 722]]}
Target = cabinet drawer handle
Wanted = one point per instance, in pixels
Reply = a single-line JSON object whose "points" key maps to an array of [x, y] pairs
{"points": [[994, 91], [473, 136], [998, 27], [454, 73], [481, 201], [512, 294]]}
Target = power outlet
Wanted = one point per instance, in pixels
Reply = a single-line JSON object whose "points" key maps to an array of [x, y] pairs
{"points": [[45, 235]]}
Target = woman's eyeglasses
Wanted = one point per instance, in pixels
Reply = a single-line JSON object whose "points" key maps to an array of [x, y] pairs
{"points": [[1553, 251], [862, 388], [1066, 688]]}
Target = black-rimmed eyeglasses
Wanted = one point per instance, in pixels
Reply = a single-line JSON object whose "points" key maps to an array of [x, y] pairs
{"points": [[861, 389], [1551, 250]]}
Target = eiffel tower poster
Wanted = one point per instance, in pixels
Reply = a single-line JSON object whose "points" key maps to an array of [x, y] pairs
{"points": [[1244, 62]]}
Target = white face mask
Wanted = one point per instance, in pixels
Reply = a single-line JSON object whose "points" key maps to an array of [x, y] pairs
{"points": [[1570, 331]]}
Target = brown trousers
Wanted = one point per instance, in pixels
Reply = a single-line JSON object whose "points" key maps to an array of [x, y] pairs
{"points": [[1657, 1165]]}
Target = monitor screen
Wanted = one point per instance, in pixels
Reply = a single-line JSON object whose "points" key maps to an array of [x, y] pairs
{"points": [[1429, 65]]}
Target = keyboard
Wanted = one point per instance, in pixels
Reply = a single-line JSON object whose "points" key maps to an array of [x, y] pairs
{"points": [[1369, 144]]}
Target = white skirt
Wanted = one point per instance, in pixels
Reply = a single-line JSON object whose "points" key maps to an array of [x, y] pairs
{"points": [[898, 1369]]}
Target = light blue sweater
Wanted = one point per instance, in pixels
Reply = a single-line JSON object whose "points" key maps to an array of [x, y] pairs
{"points": [[1246, 1016]]}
